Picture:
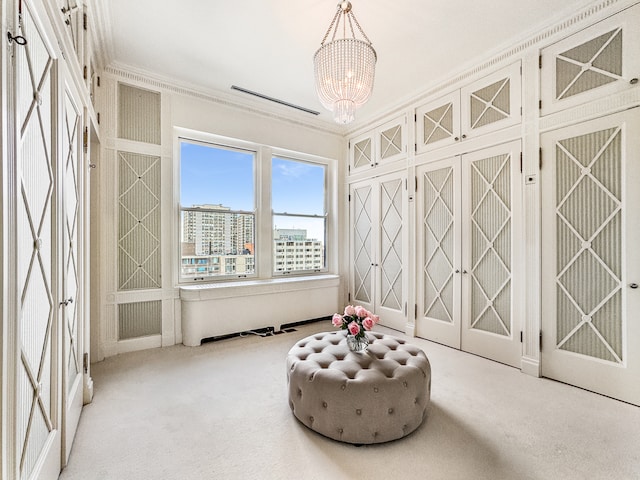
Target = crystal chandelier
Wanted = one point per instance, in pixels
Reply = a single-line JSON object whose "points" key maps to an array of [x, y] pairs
{"points": [[344, 67]]}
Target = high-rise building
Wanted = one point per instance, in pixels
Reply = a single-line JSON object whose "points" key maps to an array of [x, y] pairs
{"points": [[294, 251], [217, 230]]}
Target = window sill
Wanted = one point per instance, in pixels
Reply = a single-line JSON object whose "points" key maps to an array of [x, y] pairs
{"points": [[256, 287]]}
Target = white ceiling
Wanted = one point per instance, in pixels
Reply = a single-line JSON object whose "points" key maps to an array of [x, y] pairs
{"points": [[268, 45]]}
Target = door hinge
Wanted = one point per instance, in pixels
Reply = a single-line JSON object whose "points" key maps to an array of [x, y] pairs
{"points": [[539, 61], [520, 336], [415, 310], [540, 158], [520, 162], [84, 21], [84, 72], [85, 362], [416, 183], [540, 105], [540, 340], [349, 197], [521, 73], [98, 117], [98, 81], [405, 309], [415, 147], [406, 184], [85, 139], [349, 296], [415, 117]]}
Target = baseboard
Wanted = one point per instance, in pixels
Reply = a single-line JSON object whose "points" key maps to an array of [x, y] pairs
{"points": [[530, 366]]}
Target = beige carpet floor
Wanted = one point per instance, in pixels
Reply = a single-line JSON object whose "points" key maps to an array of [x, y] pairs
{"points": [[220, 411]]}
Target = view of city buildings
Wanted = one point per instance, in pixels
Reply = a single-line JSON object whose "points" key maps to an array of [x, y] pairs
{"points": [[294, 251], [216, 241]]}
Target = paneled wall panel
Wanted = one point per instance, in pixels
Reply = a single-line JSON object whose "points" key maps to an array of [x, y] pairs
{"points": [[139, 264]]}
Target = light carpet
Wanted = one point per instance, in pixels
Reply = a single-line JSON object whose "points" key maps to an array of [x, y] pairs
{"points": [[220, 411]]}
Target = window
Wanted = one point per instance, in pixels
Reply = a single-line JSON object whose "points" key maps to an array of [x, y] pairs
{"points": [[299, 214], [217, 211], [248, 210]]}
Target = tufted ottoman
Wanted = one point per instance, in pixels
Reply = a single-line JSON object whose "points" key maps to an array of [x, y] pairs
{"points": [[366, 397]]}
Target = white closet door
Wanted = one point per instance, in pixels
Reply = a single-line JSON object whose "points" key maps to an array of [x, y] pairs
{"points": [[438, 210], [72, 279], [378, 247], [491, 211], [362, 245], [591, 260], [390, 262], [38, 375]]}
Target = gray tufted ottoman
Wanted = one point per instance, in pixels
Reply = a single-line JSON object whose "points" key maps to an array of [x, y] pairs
{"points": [[367, 397]]}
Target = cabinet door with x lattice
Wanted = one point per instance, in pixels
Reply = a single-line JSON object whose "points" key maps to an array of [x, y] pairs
{"points": [[469, 212], [594, 64], [590, 259], [379, 247]]}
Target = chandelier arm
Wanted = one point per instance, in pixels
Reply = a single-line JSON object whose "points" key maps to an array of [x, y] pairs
{"points": [[333, 22]]}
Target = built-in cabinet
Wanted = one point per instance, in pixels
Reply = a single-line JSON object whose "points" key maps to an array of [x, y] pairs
{"points": [[589, 227], [384, 145], [379, 247], [600, 61], [590, 259], [469, 213], [520, 226], [486, 105], [45, 360]]}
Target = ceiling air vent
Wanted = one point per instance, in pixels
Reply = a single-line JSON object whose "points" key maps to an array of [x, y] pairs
{"points": [[275, 100]]}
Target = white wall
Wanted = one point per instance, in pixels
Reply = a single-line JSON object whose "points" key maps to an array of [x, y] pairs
{"points": [[184, 111]]}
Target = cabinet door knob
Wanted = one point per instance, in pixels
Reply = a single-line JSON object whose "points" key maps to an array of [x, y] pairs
{"points": [[457, 270], [456, 138], [633, 285], [633, 81]]}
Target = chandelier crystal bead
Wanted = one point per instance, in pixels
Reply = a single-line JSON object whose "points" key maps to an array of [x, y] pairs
{"points": [[344, 67]]}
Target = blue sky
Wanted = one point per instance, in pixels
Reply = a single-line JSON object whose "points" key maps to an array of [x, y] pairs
{"points": [[213, 175]]}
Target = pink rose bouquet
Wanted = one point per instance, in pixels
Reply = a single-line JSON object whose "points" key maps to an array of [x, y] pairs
{"points": [[356, 320]]}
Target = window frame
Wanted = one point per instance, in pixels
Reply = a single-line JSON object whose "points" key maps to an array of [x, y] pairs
{"points": [[222, 276], [324, 216], [264, 259]]}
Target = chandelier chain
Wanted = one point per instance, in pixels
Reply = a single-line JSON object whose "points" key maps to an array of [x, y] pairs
{"points": [[360, 29], [333, 22], [336, 23]]}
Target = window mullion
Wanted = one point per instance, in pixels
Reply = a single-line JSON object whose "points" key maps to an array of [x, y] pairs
{"points": [[264, 228]]}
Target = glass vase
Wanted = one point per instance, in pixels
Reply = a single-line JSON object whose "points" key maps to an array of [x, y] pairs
{"points": [[357, 343]]}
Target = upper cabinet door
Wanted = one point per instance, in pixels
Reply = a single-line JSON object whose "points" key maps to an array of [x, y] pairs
{"points": [[438, 123], [384, 144], [596, 62], [74, 19], [392, 140], [492, 103], [361, 152]]}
